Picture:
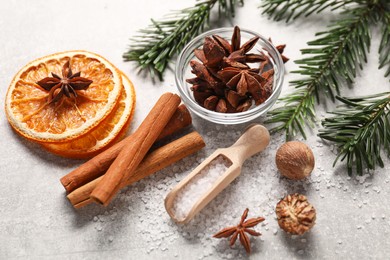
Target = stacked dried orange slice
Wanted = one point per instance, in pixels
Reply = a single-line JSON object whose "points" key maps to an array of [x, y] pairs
{"points": [[75, 103]]}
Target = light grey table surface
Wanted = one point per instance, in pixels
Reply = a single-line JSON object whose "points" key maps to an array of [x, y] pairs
{"points": [[37, 221]]}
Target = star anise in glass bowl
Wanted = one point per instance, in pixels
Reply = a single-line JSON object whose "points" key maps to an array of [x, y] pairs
{"points": [[230, 75]]}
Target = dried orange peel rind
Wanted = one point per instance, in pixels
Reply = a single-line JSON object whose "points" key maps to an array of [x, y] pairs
{"points": [[108, 132], [33, 117]]}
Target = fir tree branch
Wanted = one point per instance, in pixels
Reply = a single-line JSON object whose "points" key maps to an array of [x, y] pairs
{"points": [[155, 46], [384, 48], [332, 60], [292, 9], [360, 128]]}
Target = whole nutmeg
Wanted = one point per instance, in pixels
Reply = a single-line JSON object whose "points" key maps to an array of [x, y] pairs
{"points": [[295, 214], [295, 160]]}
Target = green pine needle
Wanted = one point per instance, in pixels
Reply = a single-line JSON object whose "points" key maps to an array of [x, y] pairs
{"points": [[156, 45], [292, 9], [332, 59], [384, 48], [361, 129]]}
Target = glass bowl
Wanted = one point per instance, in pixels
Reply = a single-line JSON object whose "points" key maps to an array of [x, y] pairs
{"points": [[183, 72]]}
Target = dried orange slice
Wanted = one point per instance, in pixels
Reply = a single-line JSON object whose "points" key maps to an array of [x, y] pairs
{"points": [[32, 116], [109, 131]]}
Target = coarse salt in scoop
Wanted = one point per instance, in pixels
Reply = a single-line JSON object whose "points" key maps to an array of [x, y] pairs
{"points": [[213, 175]]}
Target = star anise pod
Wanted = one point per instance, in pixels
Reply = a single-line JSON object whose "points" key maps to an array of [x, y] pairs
{"points": [[280, 49], [237, 54], [217, 52], [241, 230], [245, 81], [67, 85]]}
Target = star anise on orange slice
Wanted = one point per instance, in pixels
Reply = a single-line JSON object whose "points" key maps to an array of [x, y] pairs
{"points": [[241, 231], [67, 85]]}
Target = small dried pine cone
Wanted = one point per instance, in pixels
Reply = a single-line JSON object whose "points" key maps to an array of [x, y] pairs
{"points": [[295, 214]]}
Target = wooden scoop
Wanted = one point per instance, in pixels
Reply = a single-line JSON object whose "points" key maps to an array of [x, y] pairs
{"points": [[254, 140]]}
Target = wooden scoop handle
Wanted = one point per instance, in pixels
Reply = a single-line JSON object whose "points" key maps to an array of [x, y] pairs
{"points": [[254, 140]]}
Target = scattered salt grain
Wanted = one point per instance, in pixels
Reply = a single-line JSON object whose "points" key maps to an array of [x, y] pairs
{"points": [[148, 194], [201, 183]]}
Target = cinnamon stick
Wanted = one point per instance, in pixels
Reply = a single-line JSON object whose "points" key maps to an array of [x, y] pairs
{"points": [[153, 162], [99, 164], [131, 155], [180, 119]]}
